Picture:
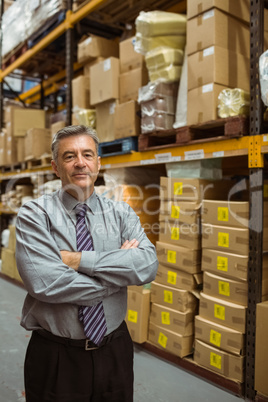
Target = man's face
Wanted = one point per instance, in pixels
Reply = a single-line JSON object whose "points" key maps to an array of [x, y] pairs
{"points": [[78, 165]]}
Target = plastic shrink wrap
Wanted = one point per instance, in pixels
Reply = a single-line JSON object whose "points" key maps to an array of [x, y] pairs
{"points": [[157, 23], [263, 70], [233, 102], [25, 17], [86, 117], [144, 44], [157, 122], [162, 57]]}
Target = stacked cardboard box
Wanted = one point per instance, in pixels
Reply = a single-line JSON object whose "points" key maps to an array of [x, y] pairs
{"points": [[221, 324], [218, 54], [174, 304], [9, 266], [17, 122], [261, 358], [133, 75], [94, 93]]}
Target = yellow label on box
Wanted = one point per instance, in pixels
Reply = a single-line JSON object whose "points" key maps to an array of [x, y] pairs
{"points": [[132, 316], [224, 288], [215, 360], [175, 233], [162, 340], [175, 212], [223, 239], [165, 316], [223, 214], [215, 338], [222, 263], [168, 296], [265, 190], [172, 277], [219, 311], [178, 188], [171, 256]]}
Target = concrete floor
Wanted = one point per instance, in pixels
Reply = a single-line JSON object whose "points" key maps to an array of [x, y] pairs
{"points": [[156, 380]]}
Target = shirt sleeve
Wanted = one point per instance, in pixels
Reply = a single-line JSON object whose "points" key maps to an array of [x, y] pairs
{"points": [[42, 270], [123, 267]]}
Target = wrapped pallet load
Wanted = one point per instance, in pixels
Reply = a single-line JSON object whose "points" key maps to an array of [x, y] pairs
{"points": [[161, 38]]}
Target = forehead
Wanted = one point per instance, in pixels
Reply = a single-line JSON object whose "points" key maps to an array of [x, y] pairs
{"points": [[76, 143]]}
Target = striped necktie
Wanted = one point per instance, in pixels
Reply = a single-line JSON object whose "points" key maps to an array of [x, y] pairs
{"points": [[93, 317]]}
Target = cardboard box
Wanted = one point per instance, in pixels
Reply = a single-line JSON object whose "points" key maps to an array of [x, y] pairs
{"points": [[21, 119], [195, 190], [104, 81], [96, 46], [105, 120], [37, 143], [130, 82], [180, 211], [178, 279], [261, 353], [221, 362], [230, 265], [55, 127], [137, 317], [203, 103], [170, 341], [8, 262], [226, 264], [176, 321], [20, 149], [225, 238], [229, 213], [227, 289], [216, 28], [10, 146], [129, 59], [238, 8], [219, 336], [87, 67], [176, 257], [223, 312], [12, 238], [176, 299], [127, 122], [218, 65], [164, 104], [80, 93], [180, 234]]}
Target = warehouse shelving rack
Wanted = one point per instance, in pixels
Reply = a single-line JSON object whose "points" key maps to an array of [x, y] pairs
{"points": [[252, 148]]}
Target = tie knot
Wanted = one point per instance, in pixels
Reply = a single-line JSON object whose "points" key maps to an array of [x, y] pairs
{"points": [[81, 210]]}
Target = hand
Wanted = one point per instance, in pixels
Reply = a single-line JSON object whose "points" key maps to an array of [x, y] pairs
{"points": [[130, 244], [71, 258]]}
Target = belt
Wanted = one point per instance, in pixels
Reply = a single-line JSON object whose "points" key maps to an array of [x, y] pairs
{"points": [[82, 343]]}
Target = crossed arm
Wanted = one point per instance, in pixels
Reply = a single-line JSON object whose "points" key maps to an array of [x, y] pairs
{"points": [[73, 258]]}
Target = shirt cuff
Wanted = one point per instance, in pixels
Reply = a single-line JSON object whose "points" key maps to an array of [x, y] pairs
{"points": [[87, 263]]}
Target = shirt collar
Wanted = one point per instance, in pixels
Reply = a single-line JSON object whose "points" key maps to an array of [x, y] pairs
{"points": [[70, 202]]}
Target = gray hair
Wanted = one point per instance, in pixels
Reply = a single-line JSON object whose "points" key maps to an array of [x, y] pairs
{"points": [[71, 131]]}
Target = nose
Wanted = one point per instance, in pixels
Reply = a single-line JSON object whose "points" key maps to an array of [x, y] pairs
{"points": [[79, 162]]}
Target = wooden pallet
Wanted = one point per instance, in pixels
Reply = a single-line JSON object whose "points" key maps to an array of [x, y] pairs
{"points": [[43, 161], [13, 168], [214, 130], [118, 147]]}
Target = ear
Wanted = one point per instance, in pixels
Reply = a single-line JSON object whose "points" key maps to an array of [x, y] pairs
{"points": [[99, 163], [54, 167]]}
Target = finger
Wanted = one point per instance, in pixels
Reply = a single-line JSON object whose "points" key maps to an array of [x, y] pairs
{"points": [[135, 244], [124, 245]]}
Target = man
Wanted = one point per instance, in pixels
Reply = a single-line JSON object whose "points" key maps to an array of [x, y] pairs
{"points": [[77, 265]]}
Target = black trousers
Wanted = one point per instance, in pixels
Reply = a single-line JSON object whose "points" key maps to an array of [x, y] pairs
{"points": [[55, 372]]}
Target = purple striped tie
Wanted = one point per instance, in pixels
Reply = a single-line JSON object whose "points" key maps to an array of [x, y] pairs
{"points": [[92, 317]]}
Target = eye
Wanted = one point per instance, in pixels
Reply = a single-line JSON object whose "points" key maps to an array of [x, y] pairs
{"points": [[89, 156]]}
